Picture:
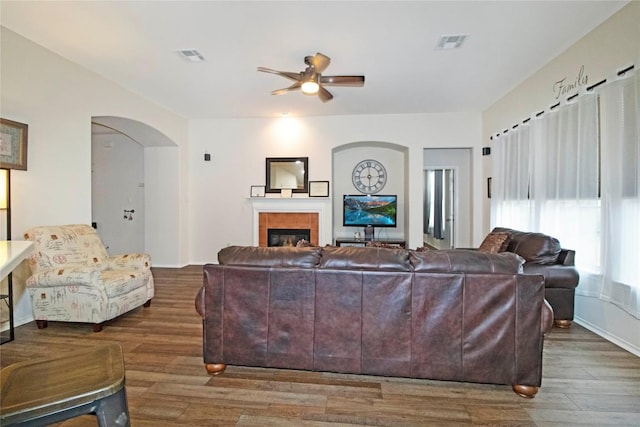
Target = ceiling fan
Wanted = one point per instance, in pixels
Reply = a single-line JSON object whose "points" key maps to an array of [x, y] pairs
{"points": [[311, 81]]}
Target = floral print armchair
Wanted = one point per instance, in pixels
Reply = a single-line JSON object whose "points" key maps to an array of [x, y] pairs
{"points": [[75, 280]]}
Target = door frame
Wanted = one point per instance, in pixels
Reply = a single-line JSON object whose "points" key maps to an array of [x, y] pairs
{"points": [[456, 201]]}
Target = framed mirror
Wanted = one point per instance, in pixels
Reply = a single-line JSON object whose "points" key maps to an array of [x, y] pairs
{"points": [[287, 172]]}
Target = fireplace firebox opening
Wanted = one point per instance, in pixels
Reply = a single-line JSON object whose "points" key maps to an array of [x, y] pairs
{"points": [[287, 236]]}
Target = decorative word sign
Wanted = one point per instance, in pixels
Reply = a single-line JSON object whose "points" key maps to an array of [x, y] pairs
{"points": [[563, 87]]}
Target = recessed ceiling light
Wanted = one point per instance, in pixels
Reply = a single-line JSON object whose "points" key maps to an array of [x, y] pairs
{"points": [[451, 42], [191, 55]]}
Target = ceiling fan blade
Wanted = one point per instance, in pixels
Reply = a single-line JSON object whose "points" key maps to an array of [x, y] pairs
{"points": [[324, 95], [342, 80], [286, 74], [320, 62], [294, 86]]}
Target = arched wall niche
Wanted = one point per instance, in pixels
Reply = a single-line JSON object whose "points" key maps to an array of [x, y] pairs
{"points": [[395, 159]]}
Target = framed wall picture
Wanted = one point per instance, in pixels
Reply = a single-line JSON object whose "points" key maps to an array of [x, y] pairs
{"points": [[257, 190], [13, 145], [489, 187], [318, 188]]}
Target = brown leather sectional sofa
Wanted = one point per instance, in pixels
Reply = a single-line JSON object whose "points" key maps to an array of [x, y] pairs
{"points": [[444, 315], [544, 255]]}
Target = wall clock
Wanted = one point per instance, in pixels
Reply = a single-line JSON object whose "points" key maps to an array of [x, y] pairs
{"points": [[369, 176]]}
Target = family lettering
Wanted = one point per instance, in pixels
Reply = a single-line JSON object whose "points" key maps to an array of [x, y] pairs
{"points": [[562, 87]]}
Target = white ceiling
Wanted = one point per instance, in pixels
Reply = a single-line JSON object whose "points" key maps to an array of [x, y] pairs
{"points": [[392, 43]]}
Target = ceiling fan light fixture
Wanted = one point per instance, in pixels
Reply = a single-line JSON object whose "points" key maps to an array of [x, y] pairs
{"points": [[310, 87]]}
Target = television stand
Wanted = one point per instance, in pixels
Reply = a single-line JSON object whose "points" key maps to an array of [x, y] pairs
{"points": [[369, 233], [362, 243]]}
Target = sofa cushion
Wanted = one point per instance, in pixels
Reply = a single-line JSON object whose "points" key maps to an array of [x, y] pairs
{"points": [[306, 257], [536, 248], [496, 241], [354, 258], [465, 261], [119, 282]]}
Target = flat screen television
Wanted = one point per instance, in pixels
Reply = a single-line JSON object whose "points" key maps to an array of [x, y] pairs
{"points": [[369, 210]]}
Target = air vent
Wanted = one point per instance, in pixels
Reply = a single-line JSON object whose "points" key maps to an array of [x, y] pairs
{"points": [[191, 55], [451, 42]]}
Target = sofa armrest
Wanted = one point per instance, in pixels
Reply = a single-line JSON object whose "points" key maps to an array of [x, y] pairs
{"points": [[547, 318], [65, 276], [567, 257], [130, 261], [200, 308]]}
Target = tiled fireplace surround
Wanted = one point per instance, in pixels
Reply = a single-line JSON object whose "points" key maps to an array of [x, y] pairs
{"points": [[289, 221], [294, 213]]}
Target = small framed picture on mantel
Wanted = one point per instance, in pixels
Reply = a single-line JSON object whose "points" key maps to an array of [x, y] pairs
{"points": [[257, 190], [286, 193], [318, 188]]}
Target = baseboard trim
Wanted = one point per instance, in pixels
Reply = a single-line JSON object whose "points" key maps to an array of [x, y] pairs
{"points": [[606, 335], [19, 321]]}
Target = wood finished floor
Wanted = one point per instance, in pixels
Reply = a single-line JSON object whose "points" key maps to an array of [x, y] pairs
{"points": [[587, 381]]}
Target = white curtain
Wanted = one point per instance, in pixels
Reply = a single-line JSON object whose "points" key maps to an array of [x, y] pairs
{"points": [[565, 182], [512, 158], [574, 173], [620, 124]]}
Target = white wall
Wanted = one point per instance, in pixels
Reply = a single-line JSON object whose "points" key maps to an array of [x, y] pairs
{"points": [[612, 46], [57, 99], [220, 209], [166, 236]]}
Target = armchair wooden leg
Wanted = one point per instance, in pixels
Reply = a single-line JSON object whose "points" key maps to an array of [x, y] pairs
{"points": [[147, 304], [97, 327], [42, 324]]}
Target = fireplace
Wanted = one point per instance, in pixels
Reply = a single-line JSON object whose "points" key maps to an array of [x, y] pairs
{"points": [[298, 214], [287, 236], [292, 225]]}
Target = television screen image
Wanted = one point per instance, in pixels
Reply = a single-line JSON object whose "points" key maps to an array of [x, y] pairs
{"points": [[369, 210]]}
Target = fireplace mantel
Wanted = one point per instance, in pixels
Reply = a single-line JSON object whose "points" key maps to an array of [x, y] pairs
{"points": [[321, 206]]}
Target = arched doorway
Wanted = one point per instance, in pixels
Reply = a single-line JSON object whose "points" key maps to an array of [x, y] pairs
{"points": [[118, 180]]}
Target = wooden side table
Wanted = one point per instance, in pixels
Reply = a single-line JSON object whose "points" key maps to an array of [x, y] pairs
{"points": [[45, 391]]}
